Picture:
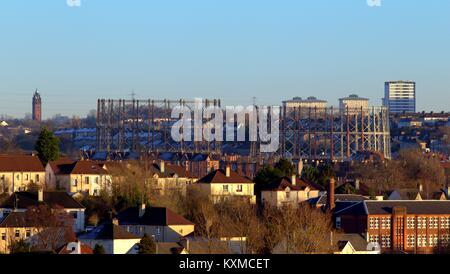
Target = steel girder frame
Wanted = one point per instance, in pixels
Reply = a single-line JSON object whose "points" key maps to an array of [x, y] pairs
{"points": [[334, 134]]}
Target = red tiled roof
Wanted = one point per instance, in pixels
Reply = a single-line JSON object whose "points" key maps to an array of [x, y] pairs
{"points": [[219, 177], [88, 167], [20, 163], [85, 249]]}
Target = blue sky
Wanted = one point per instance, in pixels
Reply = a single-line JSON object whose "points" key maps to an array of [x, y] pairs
{"points": [[229, 49]]}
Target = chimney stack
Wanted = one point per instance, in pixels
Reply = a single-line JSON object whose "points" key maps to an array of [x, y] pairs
{"points": [[40, 194], [141, 210], [115, 221], [300, 168], [330, 194], [294, 179], [228, 171], [162, 167], [185, 243]]}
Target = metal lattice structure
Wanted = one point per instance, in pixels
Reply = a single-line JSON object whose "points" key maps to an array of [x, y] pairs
{"points": [[145, 126], [334, 134]]}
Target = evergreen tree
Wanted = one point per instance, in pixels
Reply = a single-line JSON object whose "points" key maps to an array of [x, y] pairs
{"points": [[99, 249], [147, 245], [47, 146]]}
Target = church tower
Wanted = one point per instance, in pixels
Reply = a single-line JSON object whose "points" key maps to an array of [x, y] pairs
{"points": [[37, 106]]}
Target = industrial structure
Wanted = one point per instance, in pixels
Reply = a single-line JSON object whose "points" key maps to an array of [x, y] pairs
{"points": [[144, 126], [335, 134], [315, 132]]}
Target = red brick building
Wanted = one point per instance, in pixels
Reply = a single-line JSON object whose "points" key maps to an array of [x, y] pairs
{"points": [[37, 107], [408, 226]]}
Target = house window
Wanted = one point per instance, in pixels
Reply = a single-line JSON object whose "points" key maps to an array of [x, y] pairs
{"points": [[3, 236], [26, 177], [385, 223], [225, 188], [74, 182], [433, 222], [288, 194], [410, 222], [433, 240], [411, 241], [96, 180], [86, 180], [75, 214], [17, 234], [374, 223], [338, 222], [37, 177], [28, 233], [18, 177], [374, 238], [385, 241], [158, 231], [2, 178], [239, 188]]}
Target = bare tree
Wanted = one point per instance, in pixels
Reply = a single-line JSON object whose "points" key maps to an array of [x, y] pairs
{"points": [[53, 227]]}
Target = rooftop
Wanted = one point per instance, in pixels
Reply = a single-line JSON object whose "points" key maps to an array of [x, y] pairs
{"points": [[20, 163], [29, 199], [219, 177]]}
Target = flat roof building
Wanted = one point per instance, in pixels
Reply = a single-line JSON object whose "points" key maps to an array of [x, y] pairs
{"points": [[400, 96]]}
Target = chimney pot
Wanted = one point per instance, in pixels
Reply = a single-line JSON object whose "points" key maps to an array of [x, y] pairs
{"points": [[330, 194], [162, 167], [141, 210], [294, 179], [300, 168]]}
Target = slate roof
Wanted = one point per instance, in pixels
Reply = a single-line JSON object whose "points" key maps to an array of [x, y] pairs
{"points": [[281, 185], [219, 177], [28, 199], [358, 242], [109, 231], [153, 216], [412, 207], [170, 170], [169, 248], [408, 194], [20, 163], [363, 188], [322, 200]]}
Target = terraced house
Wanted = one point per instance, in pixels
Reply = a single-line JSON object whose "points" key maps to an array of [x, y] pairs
{"points": [[225, 184], [82, 176], [18, 172]]}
